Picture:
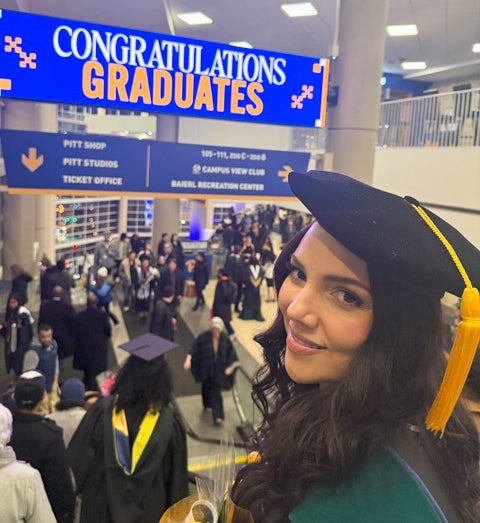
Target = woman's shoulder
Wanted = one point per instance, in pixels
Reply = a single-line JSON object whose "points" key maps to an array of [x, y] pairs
{"points": [[381, 489]]}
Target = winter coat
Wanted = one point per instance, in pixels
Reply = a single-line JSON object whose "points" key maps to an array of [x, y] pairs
{"points": [[39, 441], [23, 495], [204, 363], [200, 274]]}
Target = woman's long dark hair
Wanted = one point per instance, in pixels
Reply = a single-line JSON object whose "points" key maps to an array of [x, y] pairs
{"points": [[313, 435], [143, 383]]}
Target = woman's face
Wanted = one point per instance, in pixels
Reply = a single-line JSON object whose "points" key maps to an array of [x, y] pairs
{"points": [[13, 303], [327, 308]]}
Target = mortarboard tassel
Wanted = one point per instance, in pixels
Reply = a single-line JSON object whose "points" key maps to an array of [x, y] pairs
{"points": [[464, 346], [459, 362]]}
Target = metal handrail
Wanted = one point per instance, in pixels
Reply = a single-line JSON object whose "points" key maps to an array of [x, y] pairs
{"points": [[237, 370], [450, 119]]}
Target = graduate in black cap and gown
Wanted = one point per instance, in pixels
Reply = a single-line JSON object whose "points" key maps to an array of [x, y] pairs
{"points": [[363, 415], [129, 454]]}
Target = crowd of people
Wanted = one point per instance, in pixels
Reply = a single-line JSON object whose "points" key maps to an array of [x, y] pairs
{"points": [[48, 409]]}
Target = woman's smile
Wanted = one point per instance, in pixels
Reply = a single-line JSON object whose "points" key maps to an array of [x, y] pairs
{"points": [[302, 346], [327, 308]]}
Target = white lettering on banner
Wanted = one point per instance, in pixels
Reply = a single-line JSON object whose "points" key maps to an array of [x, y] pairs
{"points": [[252, 187], [79, 144], [218, 185], [87, 180], [106, 164], [106, 180], [70, 178], [215, 169], [184, 184], [123, 49]]}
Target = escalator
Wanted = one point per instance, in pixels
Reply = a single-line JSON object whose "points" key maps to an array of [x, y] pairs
{"points": [[248, 414]]}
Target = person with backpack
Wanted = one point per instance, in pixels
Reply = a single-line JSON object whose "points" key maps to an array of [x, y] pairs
{"points": [[103, 290], [225, 295]]}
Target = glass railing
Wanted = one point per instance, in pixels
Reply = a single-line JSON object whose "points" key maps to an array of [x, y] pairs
{"points": [[440, 120]]}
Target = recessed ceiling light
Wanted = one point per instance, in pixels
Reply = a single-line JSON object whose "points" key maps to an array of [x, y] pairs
{"points": [[242, 43], [413, 66], [476, 47], [402, 30], [302, 9], [195, 18]]}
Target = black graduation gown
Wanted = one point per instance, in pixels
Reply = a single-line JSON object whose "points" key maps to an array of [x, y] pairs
{"points": [[91, 332], [108, 494], [161, 321]]}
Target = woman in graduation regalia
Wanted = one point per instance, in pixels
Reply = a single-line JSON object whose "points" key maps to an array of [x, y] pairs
{"points": [[129, 454], [363, 416]]}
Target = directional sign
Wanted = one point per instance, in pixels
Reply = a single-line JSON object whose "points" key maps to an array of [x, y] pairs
{"points": [[94, 164], [32, 162], [67, 61]]}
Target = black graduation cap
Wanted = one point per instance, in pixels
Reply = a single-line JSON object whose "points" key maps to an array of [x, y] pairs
{"points": [[398, 237], [387, 232], [148, 346]]}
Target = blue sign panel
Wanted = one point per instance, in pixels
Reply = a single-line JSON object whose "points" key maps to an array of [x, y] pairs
{"points": [[66, 61], [95, 164]]}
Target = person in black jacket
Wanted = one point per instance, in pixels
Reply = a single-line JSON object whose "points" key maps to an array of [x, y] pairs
{"points": [[174, 278], [210, 359], [200, 277], [92, 331], [162, 322], [39, 441], [59, 313], [17, 330], [225, 295], [20, 281]]}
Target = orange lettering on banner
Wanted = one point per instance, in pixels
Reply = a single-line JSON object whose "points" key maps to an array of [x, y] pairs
{"points": [[184, 100], [162, 87], [221, 83], [117, 82], [256, 107], [92, 87], [140, 86], [237, 96], [204, 94]]}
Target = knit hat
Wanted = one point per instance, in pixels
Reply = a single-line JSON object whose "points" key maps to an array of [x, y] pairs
{"points": [[29, 389], [73, 390], [102, 272], [216, 323]]}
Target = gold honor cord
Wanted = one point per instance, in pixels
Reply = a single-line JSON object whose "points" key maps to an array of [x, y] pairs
{"points": [[464, 346]]}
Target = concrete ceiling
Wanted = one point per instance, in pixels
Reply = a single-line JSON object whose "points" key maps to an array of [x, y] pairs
{"points": [[447, 28]]}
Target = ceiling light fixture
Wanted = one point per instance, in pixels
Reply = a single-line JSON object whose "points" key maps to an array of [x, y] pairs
{"points": [[242, 43], [413, 66], [302, 9], [476, 47], [402, 30], [195, 18]]}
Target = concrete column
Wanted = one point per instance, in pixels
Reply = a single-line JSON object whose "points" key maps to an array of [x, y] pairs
{"points": [[28, 220], [166, 212], [352, 125], [122, 215]]}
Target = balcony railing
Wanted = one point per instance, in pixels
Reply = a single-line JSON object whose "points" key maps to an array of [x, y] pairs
{"points": [[441, 120]]}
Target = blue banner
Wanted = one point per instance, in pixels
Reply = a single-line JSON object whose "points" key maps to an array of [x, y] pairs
{"points": [[96, 164], [67, 61]]}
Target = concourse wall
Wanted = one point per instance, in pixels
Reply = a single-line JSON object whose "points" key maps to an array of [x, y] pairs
{"points": [[439, 176]]}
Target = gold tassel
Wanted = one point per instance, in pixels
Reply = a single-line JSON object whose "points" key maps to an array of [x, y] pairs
{"points": [[464, 346], [459, 362]]}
